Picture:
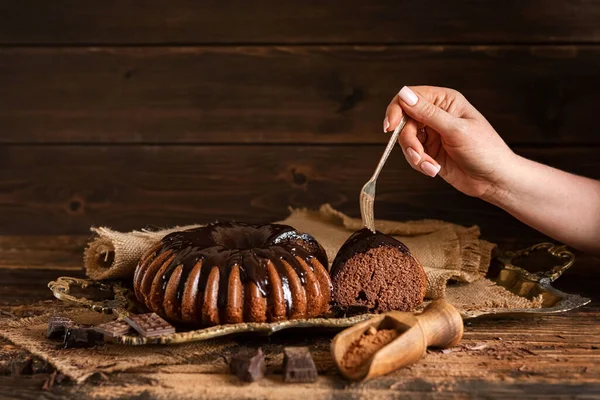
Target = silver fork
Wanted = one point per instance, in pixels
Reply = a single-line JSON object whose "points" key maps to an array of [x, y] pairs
{"points": [[367, 194]]}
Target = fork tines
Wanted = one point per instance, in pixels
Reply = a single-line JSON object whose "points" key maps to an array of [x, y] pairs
{"points": [[367, 194], [367, 203]]}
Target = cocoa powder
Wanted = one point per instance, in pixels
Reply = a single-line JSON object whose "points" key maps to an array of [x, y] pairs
{"points": [[366, 346]]}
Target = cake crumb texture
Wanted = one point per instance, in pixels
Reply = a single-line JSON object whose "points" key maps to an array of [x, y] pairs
{"points": [[383, 279]]}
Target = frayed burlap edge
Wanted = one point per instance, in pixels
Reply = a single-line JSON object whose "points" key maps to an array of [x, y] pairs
{"points": [[113, 254]]}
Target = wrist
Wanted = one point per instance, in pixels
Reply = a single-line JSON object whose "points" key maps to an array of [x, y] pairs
{"points": [[502, 189]]}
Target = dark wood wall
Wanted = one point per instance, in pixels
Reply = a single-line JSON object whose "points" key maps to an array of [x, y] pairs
{"points": [[152, 113]]}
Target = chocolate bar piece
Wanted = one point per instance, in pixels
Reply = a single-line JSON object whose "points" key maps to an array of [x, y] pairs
{"points": [[57, 327], [248, 365], [82, 338], [298, 365], [113, 329], [150, 325]]}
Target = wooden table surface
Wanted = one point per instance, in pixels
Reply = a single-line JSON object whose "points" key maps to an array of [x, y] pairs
{"points": [[555, 356]]}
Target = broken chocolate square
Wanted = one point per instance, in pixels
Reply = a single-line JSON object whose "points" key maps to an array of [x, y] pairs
{"points": [[57, 327], [113, 329], [149, 325], [298, 365], [248, 365], [82, 338]]}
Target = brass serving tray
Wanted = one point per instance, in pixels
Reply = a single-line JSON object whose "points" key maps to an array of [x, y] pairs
{"points": [[527, 284], [514, 278]]}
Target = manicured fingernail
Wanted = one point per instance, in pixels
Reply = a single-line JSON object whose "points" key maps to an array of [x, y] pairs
{"points": [[408, 96], [413, 155], [430, 169], [386, 124]]}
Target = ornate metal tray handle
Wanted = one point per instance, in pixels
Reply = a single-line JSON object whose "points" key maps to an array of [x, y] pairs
{"points": [[116, 303], [559, 251]]}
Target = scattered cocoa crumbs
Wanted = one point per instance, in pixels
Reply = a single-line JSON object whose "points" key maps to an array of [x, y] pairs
{"points": [[478, 347], [368, 344]]}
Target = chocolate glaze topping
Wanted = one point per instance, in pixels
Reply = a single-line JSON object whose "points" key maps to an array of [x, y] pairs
{"points": [[362, 241], [249, 246]]}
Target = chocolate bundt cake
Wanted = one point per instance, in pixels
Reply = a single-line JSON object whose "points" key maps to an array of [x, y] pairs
{"points": [[377, 271], [233, 272]]}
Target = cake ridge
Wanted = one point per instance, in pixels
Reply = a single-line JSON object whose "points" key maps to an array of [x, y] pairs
{"points": [[252, 248]]}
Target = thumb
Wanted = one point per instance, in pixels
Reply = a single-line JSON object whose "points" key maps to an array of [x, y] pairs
{"points": [[422, 110]]}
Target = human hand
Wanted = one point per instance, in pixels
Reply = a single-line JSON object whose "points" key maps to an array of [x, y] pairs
{"points": [[446, 135]]}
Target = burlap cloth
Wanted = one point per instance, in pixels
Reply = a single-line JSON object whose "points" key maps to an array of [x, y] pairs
{"points": [[448, 253]]}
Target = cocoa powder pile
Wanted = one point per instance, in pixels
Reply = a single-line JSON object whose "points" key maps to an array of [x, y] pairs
{"points": [[366, 346]]}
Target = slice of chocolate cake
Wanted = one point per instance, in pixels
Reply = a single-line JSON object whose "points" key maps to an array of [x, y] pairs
{"points": [[377, 271]]}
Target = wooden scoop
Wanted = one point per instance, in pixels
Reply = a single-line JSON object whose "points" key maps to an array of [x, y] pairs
{"points": [[439, 325]]}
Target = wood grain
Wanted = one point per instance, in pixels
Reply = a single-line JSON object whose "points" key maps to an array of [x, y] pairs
{"points": [[67, 189], [30, 388], [266, 94], [50, 252], [27, 286], [270, 21]]}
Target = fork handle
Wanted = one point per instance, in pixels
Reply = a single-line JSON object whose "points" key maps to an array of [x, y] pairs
{"points": [[390, 146]]}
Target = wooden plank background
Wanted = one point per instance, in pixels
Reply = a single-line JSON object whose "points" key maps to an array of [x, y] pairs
{"points": [[273, 94], [146, 113], [65, 189], [310, 21]]}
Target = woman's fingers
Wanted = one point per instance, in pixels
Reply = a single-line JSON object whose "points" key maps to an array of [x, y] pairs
{"points": [[423, 105], [414, 152], [421, 109], [393, 115], [430, 167]]}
